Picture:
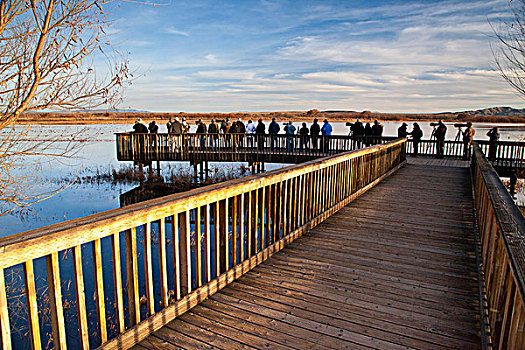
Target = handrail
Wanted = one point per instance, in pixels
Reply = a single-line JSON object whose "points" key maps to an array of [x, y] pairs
{"points": [[205, 239], [501, 227], [233, 147], [293, 148]]}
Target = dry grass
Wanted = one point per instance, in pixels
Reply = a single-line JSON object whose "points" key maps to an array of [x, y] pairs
{"points": [[334, 116]]}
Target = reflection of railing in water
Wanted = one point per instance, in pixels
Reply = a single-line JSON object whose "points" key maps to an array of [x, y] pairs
{"points": [[286, 148], [501, 227], [235, 225], [151, 190]]}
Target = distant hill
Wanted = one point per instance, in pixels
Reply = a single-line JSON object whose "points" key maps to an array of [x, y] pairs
{"points": [[493, 114], [498, 112]]}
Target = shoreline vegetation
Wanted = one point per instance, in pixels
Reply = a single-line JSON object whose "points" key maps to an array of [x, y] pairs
{"points": [[489, 115]]}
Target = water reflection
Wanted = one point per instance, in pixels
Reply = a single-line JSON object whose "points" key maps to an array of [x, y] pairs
{"points": [[152, 190]]}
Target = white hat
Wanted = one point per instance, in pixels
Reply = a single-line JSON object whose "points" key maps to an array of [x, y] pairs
{"points": [[176, 119]]}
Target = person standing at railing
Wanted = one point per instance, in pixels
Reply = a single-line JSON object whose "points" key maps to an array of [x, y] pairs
{"points": [[289, 130], [357, 130], [168, 124], [303, 132], [139, 128], [493, 135], [176, 131], [377, 131], [315, 129], [273, 130], [440, 134], [417, 134], [402, 131], [185, 126], [468, 136], [201, 130], [232, 134], [260, 131], [153, 129], [241, 131], [225, 129], [213, 130], [326, 130], [368, 134], [250, 132]]}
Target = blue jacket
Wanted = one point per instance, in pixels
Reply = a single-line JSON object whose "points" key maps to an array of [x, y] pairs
{"points": [[289, 129], [326, 129]]}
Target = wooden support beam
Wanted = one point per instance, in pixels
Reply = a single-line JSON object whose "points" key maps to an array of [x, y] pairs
{"points": [[148, 270], [5, 330], [81, 298], [132, 276], [117, 281], [99, 291], [32, 305], [162, 264]]}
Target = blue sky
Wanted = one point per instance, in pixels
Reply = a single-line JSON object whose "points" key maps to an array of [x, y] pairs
{"points": [[388, 56]]}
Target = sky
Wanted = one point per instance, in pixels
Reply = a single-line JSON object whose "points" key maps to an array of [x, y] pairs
{"points": [[388, 56]]}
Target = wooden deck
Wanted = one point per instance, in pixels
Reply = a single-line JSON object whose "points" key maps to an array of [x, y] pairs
{"points": [[395, 269]]}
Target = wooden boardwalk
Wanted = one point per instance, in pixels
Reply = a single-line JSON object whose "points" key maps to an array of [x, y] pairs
{"points": [[395, 269]]}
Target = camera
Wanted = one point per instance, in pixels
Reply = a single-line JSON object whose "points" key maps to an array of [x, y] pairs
{"points": [[434, 124], [349, 124], [460, 125]]}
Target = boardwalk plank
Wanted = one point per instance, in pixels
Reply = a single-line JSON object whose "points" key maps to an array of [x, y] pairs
{"points": [[395, 269], [314, 301]]}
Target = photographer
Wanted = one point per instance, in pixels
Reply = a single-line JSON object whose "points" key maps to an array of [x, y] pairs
{"points": [[377, 132], [417, 134], [468, 136], [440, 133], [493, 135], [315, 129], [402, 130], [357, 131], [289, 130], [273, 129]]}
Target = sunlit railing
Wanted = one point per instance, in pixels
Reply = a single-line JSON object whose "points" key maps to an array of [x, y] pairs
{"points": [[133, 270], [234, 147], [288, 148], [501, 228]]}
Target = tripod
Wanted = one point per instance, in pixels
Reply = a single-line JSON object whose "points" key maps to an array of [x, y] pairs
{"points": [[459, 135], [432, 138]]}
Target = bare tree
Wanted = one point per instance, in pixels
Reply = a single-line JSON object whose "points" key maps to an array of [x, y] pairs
{"points": [[510, 55], [47, 61]]}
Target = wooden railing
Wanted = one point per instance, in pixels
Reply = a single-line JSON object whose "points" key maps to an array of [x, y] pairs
{"points": [[293, 148], [501, 228], [232, 147], [152, 261]]}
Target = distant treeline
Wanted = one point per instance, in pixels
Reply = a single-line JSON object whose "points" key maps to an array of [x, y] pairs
{"points": [[334, 116]]}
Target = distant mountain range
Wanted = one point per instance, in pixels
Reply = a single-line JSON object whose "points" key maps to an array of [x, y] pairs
{"points": [[496, 112], [493, 114]]}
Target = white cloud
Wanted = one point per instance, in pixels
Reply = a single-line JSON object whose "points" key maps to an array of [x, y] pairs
{"points": [[417, 57], [172, 30]]}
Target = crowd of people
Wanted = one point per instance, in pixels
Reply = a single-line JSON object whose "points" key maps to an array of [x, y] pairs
{"points": [[251, 130], [309, 137]]}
